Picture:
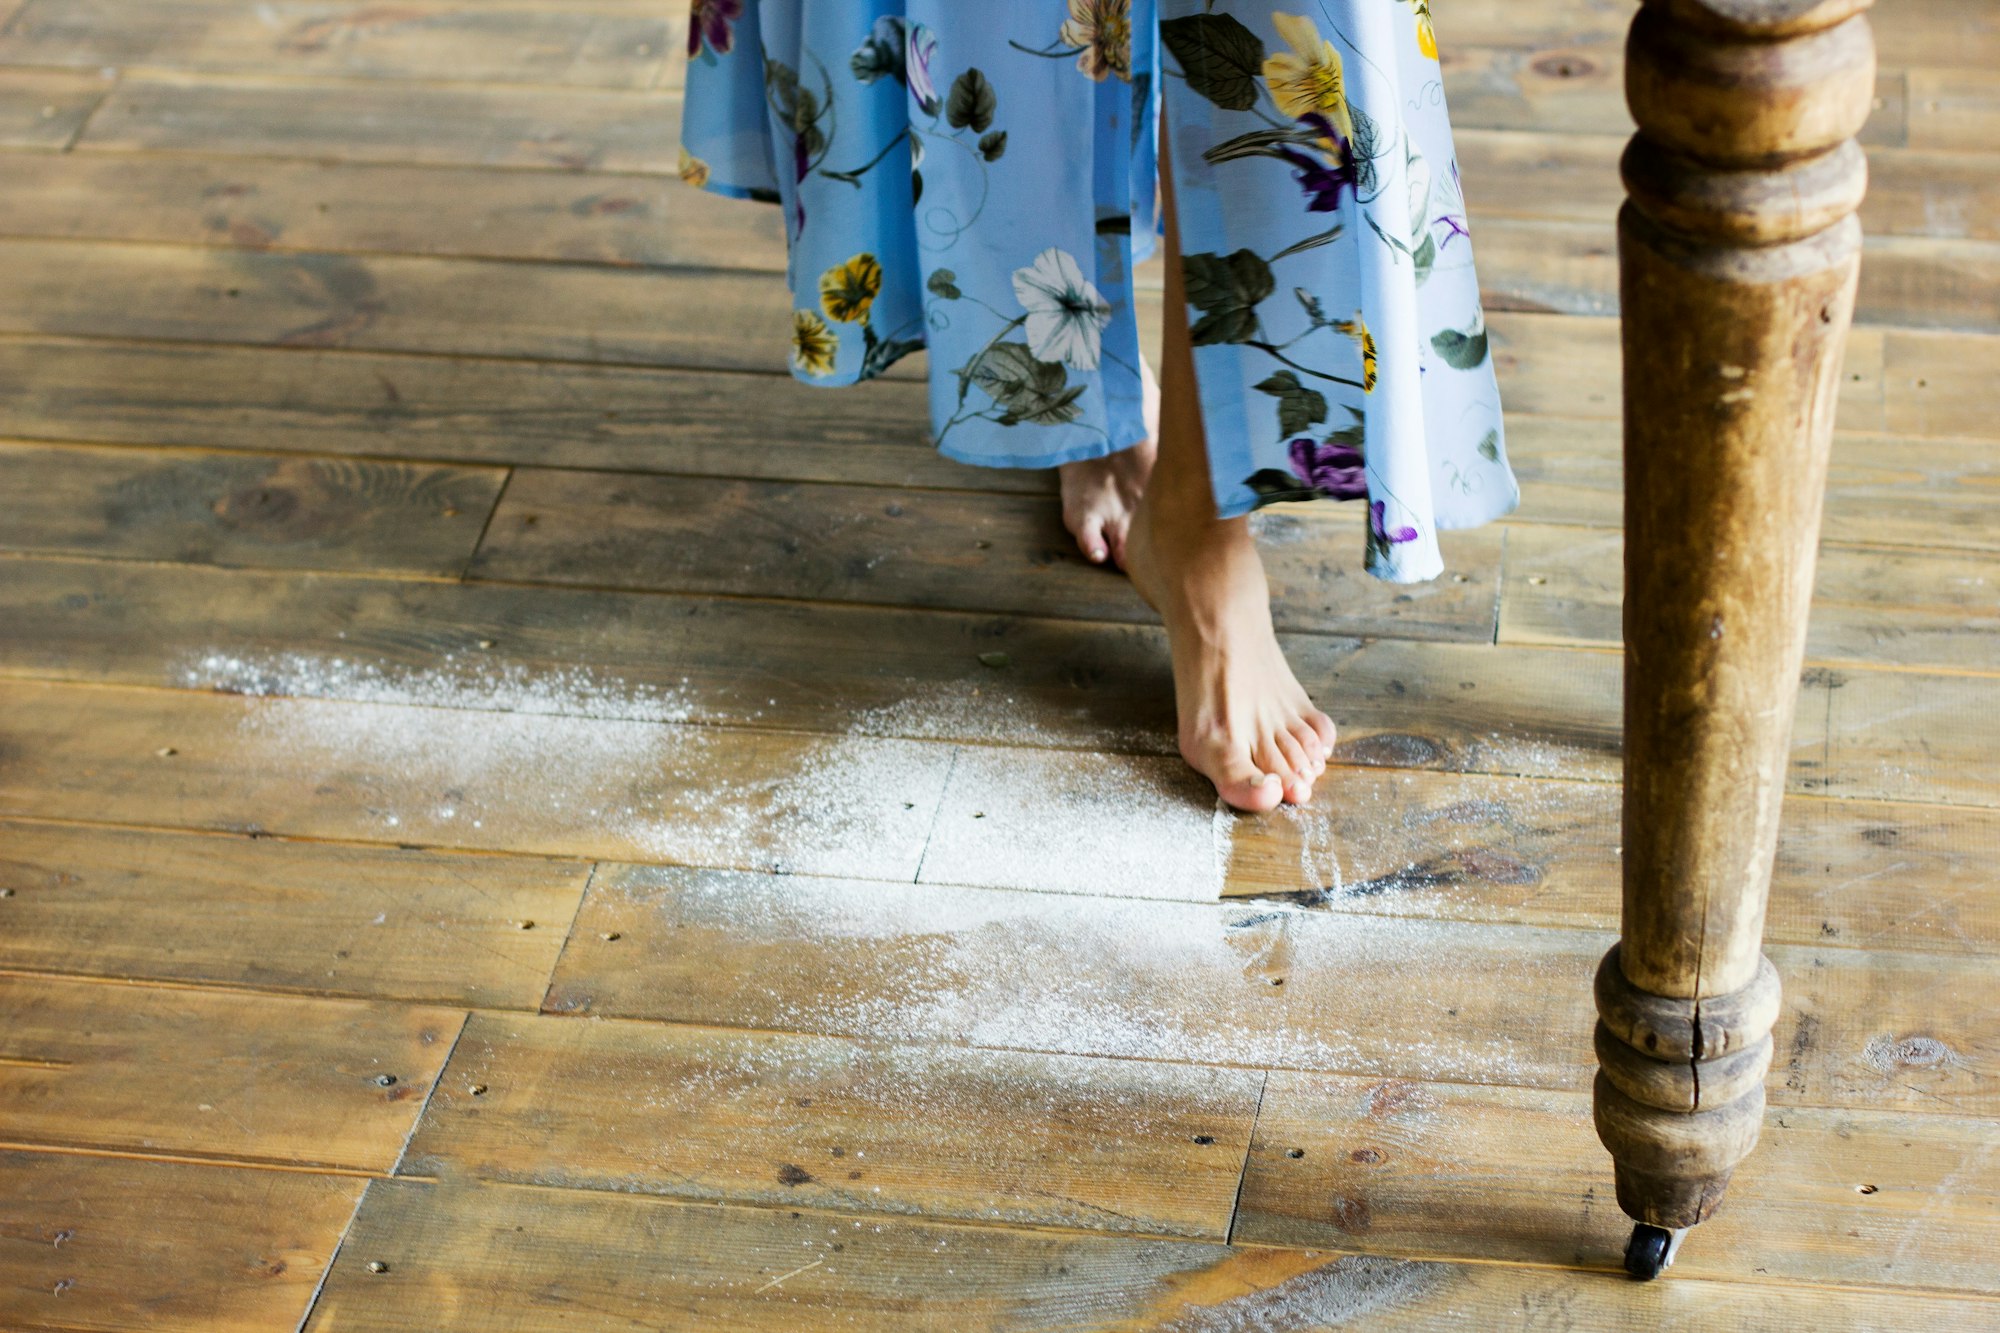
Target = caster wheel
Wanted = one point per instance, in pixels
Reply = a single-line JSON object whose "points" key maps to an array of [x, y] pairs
{"points": [[1650, 1250]]}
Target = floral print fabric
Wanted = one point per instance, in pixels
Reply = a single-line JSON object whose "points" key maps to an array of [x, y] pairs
{"points": [[980, 180]]}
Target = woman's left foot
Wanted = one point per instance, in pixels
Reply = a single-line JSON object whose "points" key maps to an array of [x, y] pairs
{"points": [[1100, 495]]}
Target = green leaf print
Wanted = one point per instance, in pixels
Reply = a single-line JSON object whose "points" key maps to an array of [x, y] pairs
{"points": [[1299, 408], [1489, 448], [993, 144], [1221, 58], [1367, 147], [1226, 289], [1425, 256], [1461, 351], [1275, 486], [1033, 391], [972, 102], [944, 283]]}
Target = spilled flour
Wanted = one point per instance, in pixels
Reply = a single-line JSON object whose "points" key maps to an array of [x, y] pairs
{"points": [[478, 754]]}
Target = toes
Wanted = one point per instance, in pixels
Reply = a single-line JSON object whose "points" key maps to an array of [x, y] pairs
{"points": [[1310, 742], [1323, 727], [1089, 531], [1115, 532], [1243, 786], [1299, 770]]}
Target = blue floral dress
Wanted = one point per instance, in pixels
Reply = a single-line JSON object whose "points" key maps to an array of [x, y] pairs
{"points": [[980, 179]]}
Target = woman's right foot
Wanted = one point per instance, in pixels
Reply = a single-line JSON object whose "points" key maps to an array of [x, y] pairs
{"points": [[1246, 724]]}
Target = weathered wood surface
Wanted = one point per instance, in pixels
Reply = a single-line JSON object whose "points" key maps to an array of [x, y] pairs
{"points": [[508, 1259], [956, 551], [105, 1244], [244, 509], [1881, 490], [1253, 984], [365, 922], [783, 1120], [1913, 608], [253, 1078], [1446, 1170], [603, 43], [45, 109]]}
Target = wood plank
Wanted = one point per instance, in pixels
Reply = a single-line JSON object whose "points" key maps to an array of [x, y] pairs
{"points": [[45, 109], [1885, 876], [507, 1259], [592, 45], [363, 922], [1579, 86], [1931, 383], [959, 551], [450, 778], [582, 312], [254, 1078], [1559, 365], [1262, 985], [1881, 489], [1570, 366], [389, 121], [1957, 110], [105, 1244], [1573, 177], [478, 411], [245, 509], [464, 212], [782, 1120], [1924, 738], [1494, 1173], [1911, 32], [1572, 268], [1870, 606]]}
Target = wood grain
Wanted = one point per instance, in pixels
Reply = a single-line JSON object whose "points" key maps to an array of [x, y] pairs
{"points": [[1263, 985], [1881, 490], [932, 549], [507, 1259], [363, 922], [478, 411], [453, 778], [465, 212], [252, 1078], [96, 1243], [244, 509], [1443, 1170], [782, 1120], [45, 109], [590, 45], [1890, 607], [1955, 109]]}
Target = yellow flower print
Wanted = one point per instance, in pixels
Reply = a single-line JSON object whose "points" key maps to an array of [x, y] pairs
{"points": [[1427, 38], [1307, 78], [1103, 28], [813, 343], [693, 170], [1357, 329], [846, 291]]}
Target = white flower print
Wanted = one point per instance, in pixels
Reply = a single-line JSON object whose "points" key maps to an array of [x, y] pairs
{"points": [[1066, 314]]}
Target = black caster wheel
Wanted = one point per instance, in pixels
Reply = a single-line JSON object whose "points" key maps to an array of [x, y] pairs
{"points": [[1650, 1250]]}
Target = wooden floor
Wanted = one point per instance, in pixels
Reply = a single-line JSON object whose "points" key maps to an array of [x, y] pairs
{"points": [[514, 815]]}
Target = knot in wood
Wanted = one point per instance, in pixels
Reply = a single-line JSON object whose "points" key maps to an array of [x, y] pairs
{"points": [[1729, 101]]}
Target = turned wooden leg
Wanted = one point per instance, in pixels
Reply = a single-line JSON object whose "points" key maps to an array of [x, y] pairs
{"points": [[1739, 249]]}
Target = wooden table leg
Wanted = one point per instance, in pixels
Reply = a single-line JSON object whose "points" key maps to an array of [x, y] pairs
{"points": [[1739, 250]]}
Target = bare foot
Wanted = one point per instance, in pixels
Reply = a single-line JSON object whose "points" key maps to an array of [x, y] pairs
{"points": [[1246, 724], [1100, 495]]}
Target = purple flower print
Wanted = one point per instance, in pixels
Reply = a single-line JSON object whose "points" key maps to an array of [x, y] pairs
{"points": [[709, 21], [1406, 533], [1334, 470], [1322, 181], [917, 68]]}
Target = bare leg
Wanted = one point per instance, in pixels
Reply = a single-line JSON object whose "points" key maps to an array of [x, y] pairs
{"points": [[1099, 496], [1245, 722]]}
